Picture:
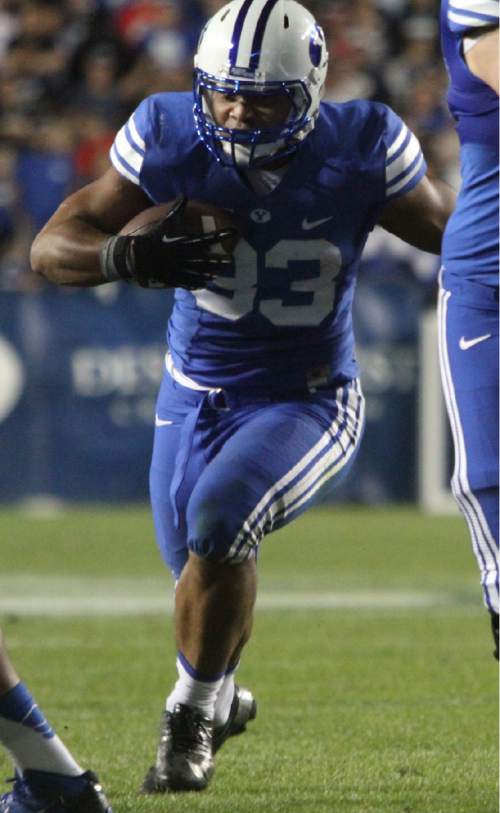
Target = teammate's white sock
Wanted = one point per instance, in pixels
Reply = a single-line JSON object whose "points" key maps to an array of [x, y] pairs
{"points": [[194, 689], [224, 699], [28, 737]]}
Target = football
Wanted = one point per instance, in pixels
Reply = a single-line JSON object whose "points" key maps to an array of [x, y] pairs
{"points": [[197, 218]]}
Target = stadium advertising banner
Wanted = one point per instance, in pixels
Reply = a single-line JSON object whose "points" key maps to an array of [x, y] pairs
{"points": [[79, 378], [80, 370]]}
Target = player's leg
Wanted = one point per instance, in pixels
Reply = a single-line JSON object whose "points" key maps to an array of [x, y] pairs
{"points": [[48, 776], [270, 469], [177, 450], [205, 708], [469, 367], [170, 523], [234, 705]]}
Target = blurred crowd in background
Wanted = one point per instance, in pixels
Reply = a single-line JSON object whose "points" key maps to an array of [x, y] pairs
{"points": [[71, 71]]}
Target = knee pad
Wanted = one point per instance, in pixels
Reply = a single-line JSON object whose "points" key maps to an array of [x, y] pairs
{"points": [[211, 531]]}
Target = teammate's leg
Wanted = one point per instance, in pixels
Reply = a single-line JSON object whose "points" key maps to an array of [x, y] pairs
{"points": [[46, 770], [468, 338]]}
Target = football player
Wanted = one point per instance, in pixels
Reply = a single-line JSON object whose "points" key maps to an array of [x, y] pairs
{"points": [[48, 779], [468, 301], [260, 411]]}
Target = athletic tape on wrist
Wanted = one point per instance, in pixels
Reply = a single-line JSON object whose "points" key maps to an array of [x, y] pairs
{"points": [[113, 259]]}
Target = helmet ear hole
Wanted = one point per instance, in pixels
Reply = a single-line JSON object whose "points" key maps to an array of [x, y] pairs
{"points": [[287, 21]]}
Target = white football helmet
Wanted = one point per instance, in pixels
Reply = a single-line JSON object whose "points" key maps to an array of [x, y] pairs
{"points": [[262, 47]]}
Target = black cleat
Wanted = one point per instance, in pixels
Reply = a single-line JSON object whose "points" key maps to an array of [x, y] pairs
{"points": [[184, 757], [494, 631], [243, 709], [40, 792]]}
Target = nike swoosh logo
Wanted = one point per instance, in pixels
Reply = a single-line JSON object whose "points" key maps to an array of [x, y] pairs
{"points": [[466, 344], [176, 239], [159, 422], [308, 225]]}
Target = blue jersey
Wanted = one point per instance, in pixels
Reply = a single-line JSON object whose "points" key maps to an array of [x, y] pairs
{"points": [[470, 245], [281, 319]]}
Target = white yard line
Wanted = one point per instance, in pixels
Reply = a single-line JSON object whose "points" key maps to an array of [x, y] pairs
{"points": [[69, 596]]}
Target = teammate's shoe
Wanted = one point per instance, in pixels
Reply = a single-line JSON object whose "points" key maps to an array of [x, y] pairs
{"points": [[494, 631], [40, 792], [184, 758], [243, 710]]}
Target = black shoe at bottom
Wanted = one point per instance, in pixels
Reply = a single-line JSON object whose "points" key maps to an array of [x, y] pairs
{"points": [[184, 758], [44, 792]]}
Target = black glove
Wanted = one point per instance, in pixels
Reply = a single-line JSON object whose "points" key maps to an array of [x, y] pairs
{"points": [[157, 260]]}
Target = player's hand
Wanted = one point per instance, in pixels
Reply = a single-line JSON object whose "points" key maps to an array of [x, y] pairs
{"points": [[167, 257]]}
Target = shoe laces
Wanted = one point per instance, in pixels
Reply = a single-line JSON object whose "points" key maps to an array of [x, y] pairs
{"points": [[190, 730]]}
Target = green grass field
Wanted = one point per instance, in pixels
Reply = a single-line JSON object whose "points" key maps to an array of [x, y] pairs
{"points": [[371, 661]]}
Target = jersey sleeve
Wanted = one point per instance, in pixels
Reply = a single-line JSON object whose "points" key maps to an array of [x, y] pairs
{"points": [[464, 15], [129, 147], [405, 165]]}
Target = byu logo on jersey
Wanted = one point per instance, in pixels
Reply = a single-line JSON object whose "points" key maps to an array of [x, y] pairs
{"points": [[260, 216]]}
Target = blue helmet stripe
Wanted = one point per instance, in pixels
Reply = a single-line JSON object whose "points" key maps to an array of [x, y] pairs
{"points": [[259, 33], [238, 28]]}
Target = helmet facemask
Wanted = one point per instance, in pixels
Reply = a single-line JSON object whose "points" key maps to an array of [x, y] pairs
{"points": [[254, 147]]}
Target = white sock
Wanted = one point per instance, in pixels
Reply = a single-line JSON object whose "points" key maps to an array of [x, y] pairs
{"points": [[31, 751], [191, 691], [224, 700], [28, 737]]}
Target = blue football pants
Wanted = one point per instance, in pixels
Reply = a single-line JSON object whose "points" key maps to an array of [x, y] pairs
{"points": [[227, 469], [468, 347]]}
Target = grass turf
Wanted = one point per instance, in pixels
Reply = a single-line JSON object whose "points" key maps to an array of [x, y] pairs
{"points": [[359, 711]]}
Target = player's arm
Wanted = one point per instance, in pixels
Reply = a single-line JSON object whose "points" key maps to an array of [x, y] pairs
{"points": [[482, 58], [67, 250], [80, 246], [419, 217]]}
